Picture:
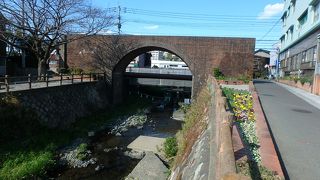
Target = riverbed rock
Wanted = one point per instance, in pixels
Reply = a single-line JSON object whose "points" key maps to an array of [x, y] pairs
{"points": [[149, 168], [135, 154], [91, 133], [99, 167], [107, 150], [136, 120]]}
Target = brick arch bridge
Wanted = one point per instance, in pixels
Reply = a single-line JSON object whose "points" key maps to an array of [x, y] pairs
{"points": [[234, 56]]}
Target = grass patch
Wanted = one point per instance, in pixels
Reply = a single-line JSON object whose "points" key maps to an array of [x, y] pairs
{"points": [[170, 147], [27, 147], [26, 165]]}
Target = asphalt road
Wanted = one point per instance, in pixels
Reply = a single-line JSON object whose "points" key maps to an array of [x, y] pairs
{"points": [[295, 125]]}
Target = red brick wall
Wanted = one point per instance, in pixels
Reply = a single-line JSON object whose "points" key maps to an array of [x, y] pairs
{"points": [[234, 56]]}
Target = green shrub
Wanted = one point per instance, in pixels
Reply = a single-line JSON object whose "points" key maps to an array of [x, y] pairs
{"points": [[63, 71], [184, 107], [170, 147], [76, 70], [217, 73], [245, 79], [304, 80], [82, 151]]}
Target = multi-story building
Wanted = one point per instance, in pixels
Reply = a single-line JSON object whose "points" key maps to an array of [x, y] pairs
{"points": [[156, 55], [300, 27]]}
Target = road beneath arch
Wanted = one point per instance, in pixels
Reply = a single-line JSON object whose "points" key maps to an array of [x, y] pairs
{"points": [[295, 125]]}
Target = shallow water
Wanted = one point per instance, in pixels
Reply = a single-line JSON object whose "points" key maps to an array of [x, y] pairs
{"points": [[109, 149]]}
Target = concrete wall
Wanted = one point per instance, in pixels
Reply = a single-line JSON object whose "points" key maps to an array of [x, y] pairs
{"points": [[62, 105], [212, 155]]}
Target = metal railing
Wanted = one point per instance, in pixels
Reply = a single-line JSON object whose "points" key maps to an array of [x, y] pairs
{"points": [[159, 71], [45, 80]]}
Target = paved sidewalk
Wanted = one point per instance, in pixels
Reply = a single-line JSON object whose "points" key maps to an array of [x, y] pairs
{"points": [[295, 125], [312, 99]]}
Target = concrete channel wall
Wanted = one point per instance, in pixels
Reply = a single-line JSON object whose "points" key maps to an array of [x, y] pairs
{"points": [[223, 165], [212, 155], [60, 106]]}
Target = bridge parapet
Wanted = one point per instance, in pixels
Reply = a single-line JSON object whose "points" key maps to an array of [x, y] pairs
{"points": [[159, 71]]}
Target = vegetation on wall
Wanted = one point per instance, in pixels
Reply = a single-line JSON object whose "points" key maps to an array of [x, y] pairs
{"points": [[302, 79], [217, 73], [195, 123]]}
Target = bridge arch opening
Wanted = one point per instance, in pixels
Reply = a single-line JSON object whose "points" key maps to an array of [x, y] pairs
{"points": [[120, 71]]}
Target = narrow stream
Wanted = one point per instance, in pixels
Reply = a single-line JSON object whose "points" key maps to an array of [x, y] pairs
{"points": [[109, 150]]}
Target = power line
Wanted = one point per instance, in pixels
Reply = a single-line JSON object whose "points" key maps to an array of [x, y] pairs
{"points": [[193, 15], [270, 30]]}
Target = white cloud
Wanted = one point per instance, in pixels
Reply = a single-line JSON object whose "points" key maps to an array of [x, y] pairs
{"points": [[107, 32], [271, 10], [152, 27]]}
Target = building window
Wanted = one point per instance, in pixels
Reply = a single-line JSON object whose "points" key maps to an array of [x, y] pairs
{"points": [[316, 12], [303, 57], [282, 40], [315, 53], [284, 17], [303, 18]]}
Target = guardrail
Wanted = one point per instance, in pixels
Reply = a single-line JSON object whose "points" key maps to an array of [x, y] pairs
{"points": [[8, 81], [159, 71]]}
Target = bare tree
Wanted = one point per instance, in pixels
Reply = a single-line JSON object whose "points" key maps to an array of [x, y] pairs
{"points": [[40, 26], [106, 53]]}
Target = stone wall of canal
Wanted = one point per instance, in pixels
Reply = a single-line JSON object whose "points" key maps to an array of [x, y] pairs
{"points": [[212, 154], [61, 105]]}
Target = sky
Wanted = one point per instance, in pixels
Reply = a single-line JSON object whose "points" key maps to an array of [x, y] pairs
{"points": [[258, 19]]}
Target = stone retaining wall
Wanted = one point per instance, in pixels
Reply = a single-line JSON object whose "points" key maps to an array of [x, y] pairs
{"points": [[61, 105]]}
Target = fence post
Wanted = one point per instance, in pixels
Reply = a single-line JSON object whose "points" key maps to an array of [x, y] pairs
{"points": [[81, 77], [61, 79], [90, 77], [29, 80], [47, 80], [72, 78], [6, 81]]}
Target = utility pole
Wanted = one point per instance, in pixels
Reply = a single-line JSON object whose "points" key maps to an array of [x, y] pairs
{"points": [[278, 64], [316, 76], [119, 20], [23, 55]]}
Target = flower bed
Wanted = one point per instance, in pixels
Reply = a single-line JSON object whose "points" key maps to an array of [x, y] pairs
{"points": [[242, 106], [241, 103]]}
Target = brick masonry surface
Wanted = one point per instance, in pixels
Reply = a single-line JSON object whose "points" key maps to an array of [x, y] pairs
{"points": [[234, 56], [61, 105]]}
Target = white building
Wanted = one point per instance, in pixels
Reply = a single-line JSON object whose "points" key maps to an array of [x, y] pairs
{"points": [[300, 27], [156, 55]]}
